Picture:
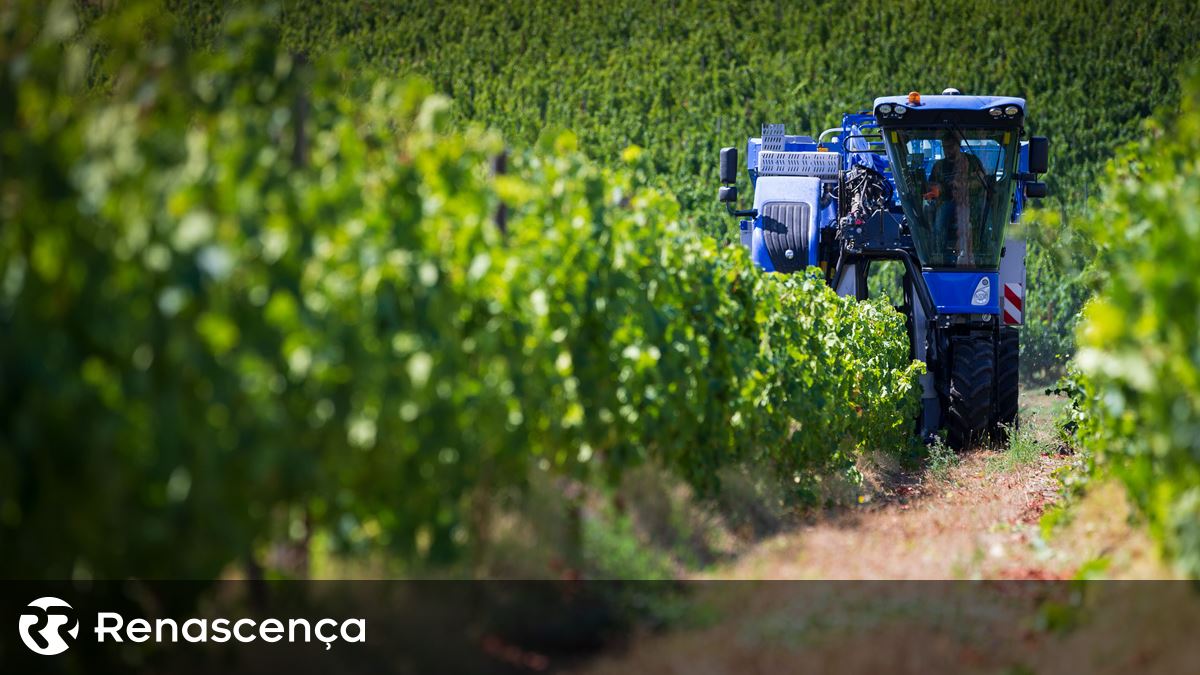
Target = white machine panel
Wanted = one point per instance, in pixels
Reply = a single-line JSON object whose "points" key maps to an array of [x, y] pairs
{"points": [[1012, 283], [772, 137], [823, 165]]}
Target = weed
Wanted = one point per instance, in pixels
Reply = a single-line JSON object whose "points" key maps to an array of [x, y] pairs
{"points": [[1023, 449], [941, 458]]}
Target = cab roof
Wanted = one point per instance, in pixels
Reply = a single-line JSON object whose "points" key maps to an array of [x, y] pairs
{"points": [[952, 102]]}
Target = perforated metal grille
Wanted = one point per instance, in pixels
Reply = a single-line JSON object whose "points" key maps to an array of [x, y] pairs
{"points": [[773, 136], [785, 228], [823, 165]]}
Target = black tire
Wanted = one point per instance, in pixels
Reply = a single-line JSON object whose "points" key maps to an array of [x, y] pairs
{"points": [[1008, 382], [972, 381]]}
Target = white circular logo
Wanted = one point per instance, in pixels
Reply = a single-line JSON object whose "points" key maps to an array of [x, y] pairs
{"points": [[43, 624]]}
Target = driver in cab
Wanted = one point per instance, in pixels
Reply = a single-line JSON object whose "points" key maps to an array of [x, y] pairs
{"points": [[953, 191]]}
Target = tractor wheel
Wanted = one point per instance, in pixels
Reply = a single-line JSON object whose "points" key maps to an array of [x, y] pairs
{"points": [[972, 379], [1008, 382]]}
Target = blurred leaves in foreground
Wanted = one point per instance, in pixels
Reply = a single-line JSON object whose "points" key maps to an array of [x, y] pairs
{"points": [[245, 297], [1140, 338]]}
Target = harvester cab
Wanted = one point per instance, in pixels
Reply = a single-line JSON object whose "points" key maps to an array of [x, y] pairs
{"points": [[929, 182]]}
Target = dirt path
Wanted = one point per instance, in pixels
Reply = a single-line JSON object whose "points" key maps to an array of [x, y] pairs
{"points": [[978, 517], [973, 522]]}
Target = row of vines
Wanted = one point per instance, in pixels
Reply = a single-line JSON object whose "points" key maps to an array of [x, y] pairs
{"points": [[1138, 379], [247, 295]]}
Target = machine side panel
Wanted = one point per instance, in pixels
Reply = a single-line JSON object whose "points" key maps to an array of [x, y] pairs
{"points": [[770, 194], [1012, 282]]}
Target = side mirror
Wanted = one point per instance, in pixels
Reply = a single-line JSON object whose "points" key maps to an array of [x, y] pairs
{"points": [[1033, 190], [727, 194], [729, 161], [1039, 154]]}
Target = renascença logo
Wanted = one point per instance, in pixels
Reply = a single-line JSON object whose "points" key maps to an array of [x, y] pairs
{"points": [[46, 619], [43, 624]]}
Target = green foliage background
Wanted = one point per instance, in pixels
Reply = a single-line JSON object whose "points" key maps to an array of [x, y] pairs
{"points": [[686, 77], [1060, 273], [247, 297]]}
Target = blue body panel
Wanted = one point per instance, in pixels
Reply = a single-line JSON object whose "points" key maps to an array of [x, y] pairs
{"points": [[952, 291], [758, 248]]}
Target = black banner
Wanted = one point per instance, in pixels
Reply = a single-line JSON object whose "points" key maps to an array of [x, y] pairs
{"points": [[336, 627]]}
